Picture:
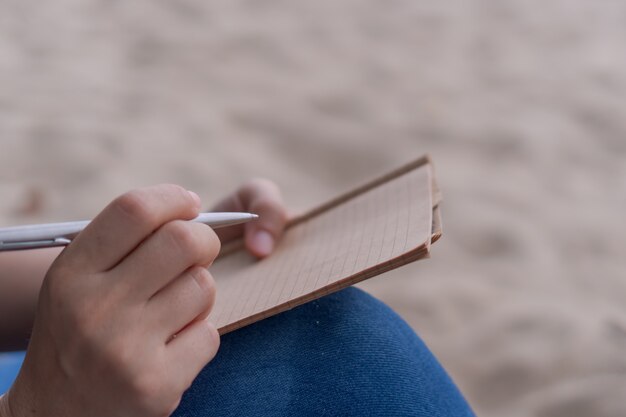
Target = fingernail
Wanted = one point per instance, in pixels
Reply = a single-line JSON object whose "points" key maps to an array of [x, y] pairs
{"points": [[263, 242], [195, 197]]}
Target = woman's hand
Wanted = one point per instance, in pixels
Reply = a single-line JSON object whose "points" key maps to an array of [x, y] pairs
{"points": [[261, 197], [120, 328]]}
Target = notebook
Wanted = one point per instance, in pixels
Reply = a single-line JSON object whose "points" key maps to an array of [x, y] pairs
{"points": [[382, 225]]}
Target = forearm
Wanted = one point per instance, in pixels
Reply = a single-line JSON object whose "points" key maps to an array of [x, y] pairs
{"points": [[21, 275], [4, 411]]}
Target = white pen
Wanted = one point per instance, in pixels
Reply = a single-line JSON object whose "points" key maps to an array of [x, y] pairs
{"points": [[61, 234]]}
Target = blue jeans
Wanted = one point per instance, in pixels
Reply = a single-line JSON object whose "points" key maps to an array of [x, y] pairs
{"points": [[10, 364], [346, 354]]}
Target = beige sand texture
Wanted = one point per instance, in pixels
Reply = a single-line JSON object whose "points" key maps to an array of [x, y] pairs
{"points": [[521, 103]]}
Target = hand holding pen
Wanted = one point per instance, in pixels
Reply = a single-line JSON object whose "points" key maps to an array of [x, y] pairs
{"points": [[131, 295]]}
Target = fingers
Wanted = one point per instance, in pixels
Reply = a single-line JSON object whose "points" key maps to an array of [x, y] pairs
{"points": [[261, 235], [261, 197], [191, 350], [190, 296], [171, 250], [126, 222]]}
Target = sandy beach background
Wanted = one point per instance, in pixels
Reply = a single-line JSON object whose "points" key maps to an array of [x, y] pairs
{"points": [[521, 103]]}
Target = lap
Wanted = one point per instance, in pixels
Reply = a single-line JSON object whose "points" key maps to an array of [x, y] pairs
{"points": [[344, 354]]}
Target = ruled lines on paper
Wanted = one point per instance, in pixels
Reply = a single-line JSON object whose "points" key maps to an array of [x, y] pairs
{"points": [[370, 229]]}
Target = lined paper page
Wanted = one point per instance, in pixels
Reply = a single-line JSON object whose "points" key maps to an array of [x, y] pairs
{"points": [[367, 234]]}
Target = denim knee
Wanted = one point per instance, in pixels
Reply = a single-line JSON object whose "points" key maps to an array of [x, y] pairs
{"points": [[344, 354]]}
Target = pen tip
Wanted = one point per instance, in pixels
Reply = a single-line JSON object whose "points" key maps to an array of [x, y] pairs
{"points": [[254, 216]]}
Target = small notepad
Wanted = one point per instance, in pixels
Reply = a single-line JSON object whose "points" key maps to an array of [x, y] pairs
{"points": [[382, 225]]}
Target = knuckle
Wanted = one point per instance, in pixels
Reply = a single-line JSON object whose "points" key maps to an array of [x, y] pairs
{"points": [[208, 245], [173, 188], [205, 282], [182, 235], [203, 278], [214, 245], [134, 205], [197, 242], [213, 340], [174, 191]]}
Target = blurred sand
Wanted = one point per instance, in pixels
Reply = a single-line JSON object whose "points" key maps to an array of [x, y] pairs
{"points": [[522, 104]]}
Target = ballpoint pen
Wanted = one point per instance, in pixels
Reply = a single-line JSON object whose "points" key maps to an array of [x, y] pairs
{"points": [[61, 234]]}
